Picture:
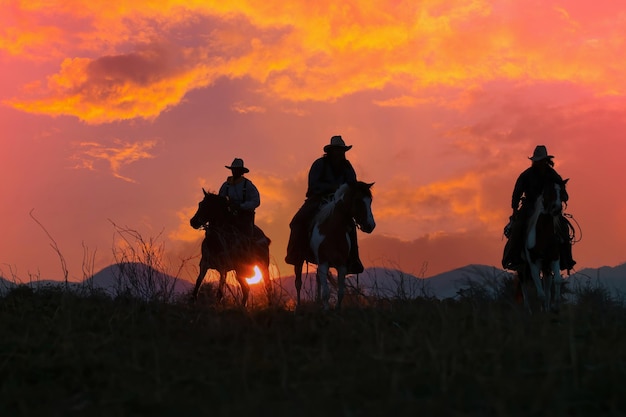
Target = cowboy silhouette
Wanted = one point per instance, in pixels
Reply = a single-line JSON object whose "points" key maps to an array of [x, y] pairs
{"points": [[528, 188], [243, 197], [326, 175]]}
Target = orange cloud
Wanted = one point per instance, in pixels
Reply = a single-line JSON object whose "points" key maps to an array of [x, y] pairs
{"points": [[456, 204], [306, 51], [138, 85], [118, 156], [184, 232]]}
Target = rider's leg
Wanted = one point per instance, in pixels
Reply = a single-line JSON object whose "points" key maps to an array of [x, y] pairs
{"points": [[354, 263], [298, 245], [515, 245]]}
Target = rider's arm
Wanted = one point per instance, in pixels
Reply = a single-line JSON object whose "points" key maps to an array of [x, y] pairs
{"points": [[317, 184], [518, 190], [223, 190], [253, 198]]}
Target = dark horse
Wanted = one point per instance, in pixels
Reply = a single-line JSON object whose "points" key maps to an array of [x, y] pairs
{"points": [[542, 247], [225, 249], [330, 240]]}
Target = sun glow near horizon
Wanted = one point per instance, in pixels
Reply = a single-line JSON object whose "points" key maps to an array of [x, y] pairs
{"points": [[256, 278]]}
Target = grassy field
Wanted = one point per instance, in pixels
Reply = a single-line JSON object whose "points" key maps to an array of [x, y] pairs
{"points": [[64, 354]]}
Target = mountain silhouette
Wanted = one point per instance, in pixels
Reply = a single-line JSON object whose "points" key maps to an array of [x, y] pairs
{"points": [[128, 275], [144, 281], [133, 278]]}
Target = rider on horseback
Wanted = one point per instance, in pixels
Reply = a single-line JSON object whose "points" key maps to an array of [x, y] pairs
{"points": [[243, 198], [528, 187], [326, 175]]}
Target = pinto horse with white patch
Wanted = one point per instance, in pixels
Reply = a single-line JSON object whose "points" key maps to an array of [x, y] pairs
{"points": [[542, 248], [351, 206]]}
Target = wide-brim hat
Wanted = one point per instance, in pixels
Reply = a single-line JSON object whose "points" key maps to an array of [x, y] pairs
{"points": [[237, 164], [540, 153], [336, 142]]}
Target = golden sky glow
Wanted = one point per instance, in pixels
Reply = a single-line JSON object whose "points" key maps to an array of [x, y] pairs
{"points": [[137, 61], [443, 101]]}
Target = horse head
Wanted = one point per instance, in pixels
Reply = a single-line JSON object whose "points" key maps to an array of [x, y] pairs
{"points": [[553, 196], [361, 203], [212, 209]]}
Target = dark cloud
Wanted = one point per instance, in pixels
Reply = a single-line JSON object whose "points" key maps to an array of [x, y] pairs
{"points": [[142, 68]]}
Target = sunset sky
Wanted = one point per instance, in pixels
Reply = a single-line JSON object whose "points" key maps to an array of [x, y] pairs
{"points": [[117, 112]]}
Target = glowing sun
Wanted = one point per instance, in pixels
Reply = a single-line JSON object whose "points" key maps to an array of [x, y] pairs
{"points": [[257, 276]]}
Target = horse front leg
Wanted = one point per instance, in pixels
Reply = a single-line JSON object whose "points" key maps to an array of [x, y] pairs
{"points": [[547, 288], [341, 285], [521, 293], [322, 276], [297, 269], [318, 286], [196, 289], [558, 281], [535, 273]]}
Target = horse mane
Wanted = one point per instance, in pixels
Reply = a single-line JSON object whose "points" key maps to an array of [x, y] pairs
{"points": [[327, 209], [213, 195], [364, 188], [210, 192]]}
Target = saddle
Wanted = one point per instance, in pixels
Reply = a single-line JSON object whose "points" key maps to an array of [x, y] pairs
{"points": [[511, 258]]}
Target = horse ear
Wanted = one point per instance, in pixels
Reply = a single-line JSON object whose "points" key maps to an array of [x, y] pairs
{"points": [[370, 185], [204, 191], [565, 181]]}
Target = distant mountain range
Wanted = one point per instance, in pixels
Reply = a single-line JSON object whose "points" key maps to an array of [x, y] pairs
{"points": [[129, 277], [144, 281]]}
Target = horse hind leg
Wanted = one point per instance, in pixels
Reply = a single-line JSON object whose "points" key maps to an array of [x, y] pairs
{"points": [[269, 291], [245, 289], [220, 286], [341, 285], [322, 276]]}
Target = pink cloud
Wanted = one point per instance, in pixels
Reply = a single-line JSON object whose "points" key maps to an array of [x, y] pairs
{"points": [[116, 156]]}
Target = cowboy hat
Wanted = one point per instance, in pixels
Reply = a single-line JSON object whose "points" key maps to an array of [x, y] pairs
{"points": [[540, 153], [336, 142], [237, 164]]}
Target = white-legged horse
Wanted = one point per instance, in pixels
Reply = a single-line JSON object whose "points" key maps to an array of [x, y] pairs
{"points": [[330, 239], [542, 248]]}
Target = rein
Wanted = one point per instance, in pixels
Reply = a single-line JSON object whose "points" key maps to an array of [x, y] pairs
{"points": [[572, 231]]}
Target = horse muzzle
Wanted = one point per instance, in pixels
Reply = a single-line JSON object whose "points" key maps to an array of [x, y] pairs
{"points": [[195, 223], [368, 227]]}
